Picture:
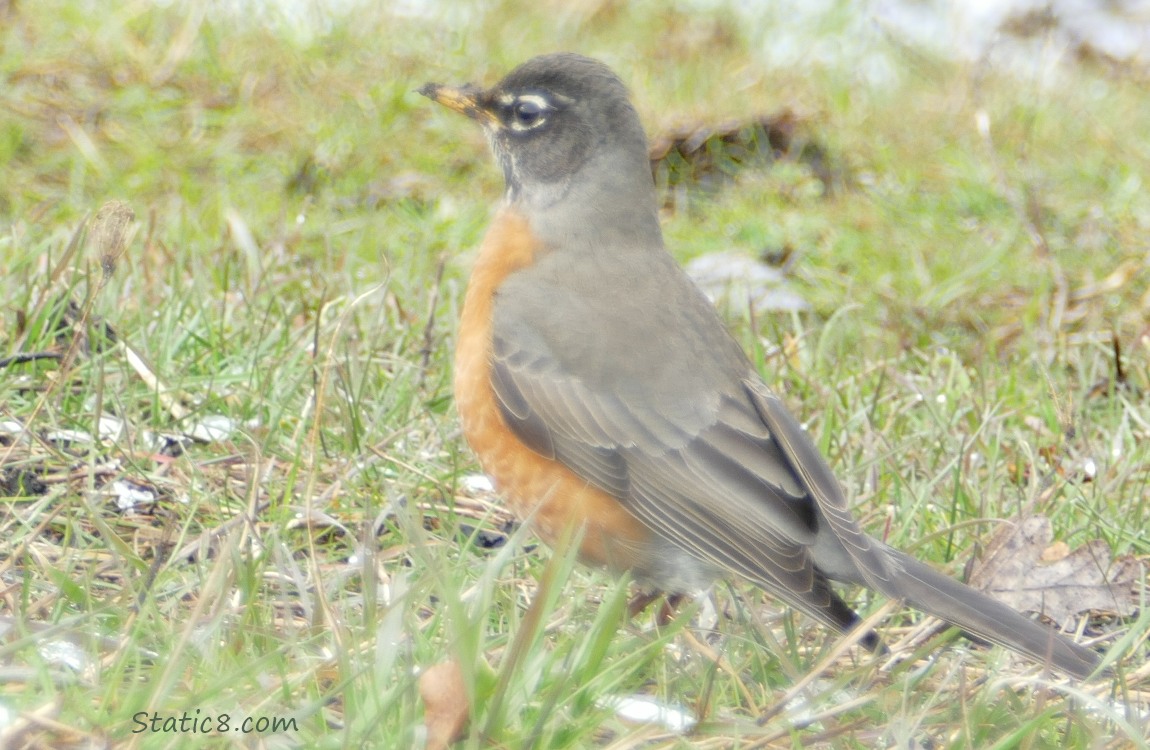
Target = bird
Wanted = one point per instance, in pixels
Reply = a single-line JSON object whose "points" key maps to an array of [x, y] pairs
{"points": [[603, 394]]}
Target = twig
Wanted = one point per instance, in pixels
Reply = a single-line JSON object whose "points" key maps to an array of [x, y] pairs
{"points": [[429, 328], [25, 357]]}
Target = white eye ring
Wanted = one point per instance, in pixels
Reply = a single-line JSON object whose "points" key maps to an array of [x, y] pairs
{"points": [[529, 111]]}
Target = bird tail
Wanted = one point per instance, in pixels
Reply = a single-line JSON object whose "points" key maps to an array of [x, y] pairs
{"points": [[988, 619]]}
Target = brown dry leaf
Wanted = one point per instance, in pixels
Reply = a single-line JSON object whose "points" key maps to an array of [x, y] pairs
{"points": [[111, 232], [1055, 552], [1078, 581], [776, 132], [445, 707], [701, 154]]}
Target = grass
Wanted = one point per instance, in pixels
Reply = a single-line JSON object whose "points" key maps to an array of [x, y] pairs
{"points": [[303, 225]]}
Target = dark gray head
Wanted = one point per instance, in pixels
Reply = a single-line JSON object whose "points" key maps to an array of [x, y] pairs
{"points": [[551, 116]]}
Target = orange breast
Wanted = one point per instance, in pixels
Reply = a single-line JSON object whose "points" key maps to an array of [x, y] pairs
{"points": [[539, 490]]}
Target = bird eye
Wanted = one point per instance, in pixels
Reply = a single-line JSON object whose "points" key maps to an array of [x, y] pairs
{"points": [[528, 112]]}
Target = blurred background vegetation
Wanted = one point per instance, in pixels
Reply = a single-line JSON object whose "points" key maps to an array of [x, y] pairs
{"points": [[234, 244]]}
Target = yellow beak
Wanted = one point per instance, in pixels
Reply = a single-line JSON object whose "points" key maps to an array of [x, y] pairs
{"points": [[462, 99]]}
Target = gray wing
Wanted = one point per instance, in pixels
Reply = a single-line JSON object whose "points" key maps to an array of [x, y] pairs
{"points": [[715, 483]]}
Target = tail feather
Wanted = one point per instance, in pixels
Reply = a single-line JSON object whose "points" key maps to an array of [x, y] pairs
{"points": [[979, 615]]}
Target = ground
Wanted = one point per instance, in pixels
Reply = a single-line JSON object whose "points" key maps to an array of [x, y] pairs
{"points": [[233, 485]]}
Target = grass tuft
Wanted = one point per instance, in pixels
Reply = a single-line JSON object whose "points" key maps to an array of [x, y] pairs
{"points": [[231, 479]]}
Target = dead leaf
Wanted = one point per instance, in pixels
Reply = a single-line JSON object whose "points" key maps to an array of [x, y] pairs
{"points": [[1082, 580], [701, 154], [110, 234], [694, 143], [445, 706], [1055, 552]]}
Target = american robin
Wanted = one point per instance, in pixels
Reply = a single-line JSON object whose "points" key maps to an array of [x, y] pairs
{"points": [[602, 392]]}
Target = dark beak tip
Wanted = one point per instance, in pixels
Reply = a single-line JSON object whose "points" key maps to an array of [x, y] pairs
{"points": [[429, 90]]}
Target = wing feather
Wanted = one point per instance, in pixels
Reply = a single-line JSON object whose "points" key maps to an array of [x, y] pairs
{"points": [[725, 495]]}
